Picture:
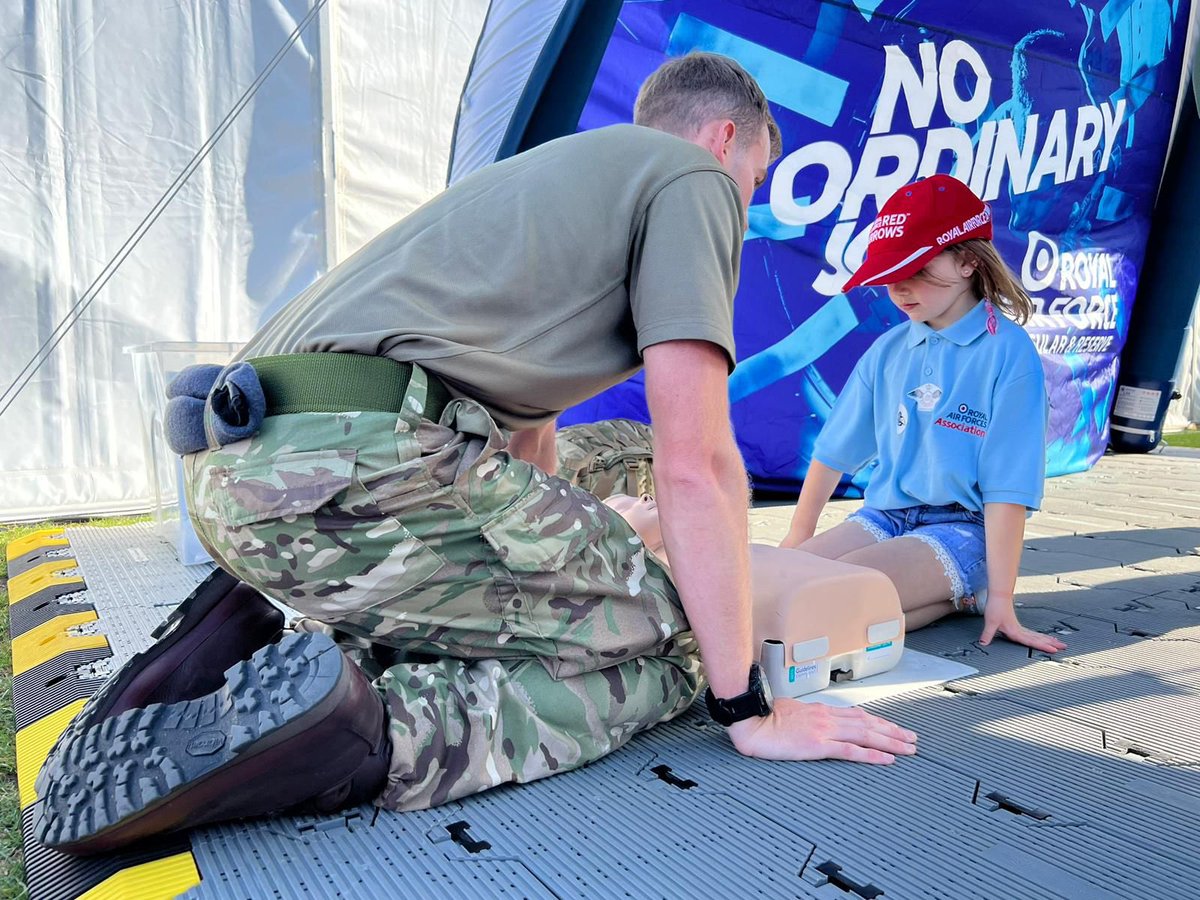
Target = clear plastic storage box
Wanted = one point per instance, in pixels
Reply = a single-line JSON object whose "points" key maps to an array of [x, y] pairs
{"points": [[154, 365]]}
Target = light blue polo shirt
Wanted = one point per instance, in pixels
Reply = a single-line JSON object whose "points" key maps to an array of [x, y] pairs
{"points": [[953, 416]]}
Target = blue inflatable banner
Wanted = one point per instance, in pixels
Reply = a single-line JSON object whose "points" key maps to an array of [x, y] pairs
{"points": [[1057, 114]]}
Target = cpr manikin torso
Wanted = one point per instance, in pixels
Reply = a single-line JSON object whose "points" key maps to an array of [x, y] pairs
{"points": [[815, 620]]}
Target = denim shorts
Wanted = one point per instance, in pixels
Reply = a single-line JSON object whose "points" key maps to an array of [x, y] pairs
{"points": [[954, 532]]}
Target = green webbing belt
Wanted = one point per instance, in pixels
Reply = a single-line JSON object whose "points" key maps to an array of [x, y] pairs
{"points": [[340, 382]]}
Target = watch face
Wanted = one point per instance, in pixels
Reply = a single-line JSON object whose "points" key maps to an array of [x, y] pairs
{"points": [[761, 685]]}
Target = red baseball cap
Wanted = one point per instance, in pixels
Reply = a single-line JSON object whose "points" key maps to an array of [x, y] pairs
{"points": [[917, 223]]}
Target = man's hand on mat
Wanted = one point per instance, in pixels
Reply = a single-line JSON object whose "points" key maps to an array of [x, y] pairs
{"points": [[999, 617], [796, 730]]}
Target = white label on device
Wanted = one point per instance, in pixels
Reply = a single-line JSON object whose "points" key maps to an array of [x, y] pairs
{"points": [[817, 648], [1139, 404], [883, 631]]}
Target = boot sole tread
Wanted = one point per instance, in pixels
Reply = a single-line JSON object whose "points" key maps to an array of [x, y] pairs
{"points": [[128, 766], [99, 703]]}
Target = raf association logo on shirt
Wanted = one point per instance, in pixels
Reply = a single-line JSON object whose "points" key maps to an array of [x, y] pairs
{"points": [[965, 419], [927, 396], [901, 419]]}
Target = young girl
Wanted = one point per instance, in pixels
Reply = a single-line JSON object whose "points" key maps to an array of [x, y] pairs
{"points": [[953, 408]]}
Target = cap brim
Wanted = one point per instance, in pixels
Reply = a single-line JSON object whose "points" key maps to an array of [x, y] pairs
{"points": [[885, 268]]}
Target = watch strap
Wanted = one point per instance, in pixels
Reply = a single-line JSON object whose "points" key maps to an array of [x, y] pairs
{"points": [[753, 703]]}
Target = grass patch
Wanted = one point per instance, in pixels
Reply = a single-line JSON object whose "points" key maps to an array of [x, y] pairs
{"points": [[1183, 439], [12, 866]]}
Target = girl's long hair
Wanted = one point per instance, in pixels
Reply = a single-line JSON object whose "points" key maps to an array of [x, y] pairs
{"points": [[994, 280]]}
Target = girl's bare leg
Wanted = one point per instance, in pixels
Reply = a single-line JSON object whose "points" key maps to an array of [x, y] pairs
{"points": [[919, 577], [926, 615], [836, 542]]}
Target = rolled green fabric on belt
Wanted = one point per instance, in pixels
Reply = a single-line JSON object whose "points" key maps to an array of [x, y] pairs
{"points": [[340, 382]]}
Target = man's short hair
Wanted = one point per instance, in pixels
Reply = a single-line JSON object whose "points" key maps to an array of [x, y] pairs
{"points": [[684, 93]]}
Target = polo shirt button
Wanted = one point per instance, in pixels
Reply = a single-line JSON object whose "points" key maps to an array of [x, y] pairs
{"points": [[928, 371], [936, 340]]}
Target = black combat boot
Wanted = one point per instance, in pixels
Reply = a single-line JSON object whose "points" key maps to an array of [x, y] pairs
{"points": [[296, 728], [222, 622]]}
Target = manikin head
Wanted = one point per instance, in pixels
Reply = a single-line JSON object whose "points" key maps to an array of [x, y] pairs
{"points": [[642, 515]]}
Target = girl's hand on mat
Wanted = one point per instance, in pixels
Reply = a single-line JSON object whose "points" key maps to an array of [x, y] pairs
{"points": [[999, 617], [796, 731]]}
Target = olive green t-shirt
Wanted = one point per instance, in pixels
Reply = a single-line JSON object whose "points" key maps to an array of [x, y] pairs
{"points": [[536, 282]]}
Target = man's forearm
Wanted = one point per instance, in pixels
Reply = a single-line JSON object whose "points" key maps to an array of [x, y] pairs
{"points": [[537, 446], [700, 485], [705, 529]]}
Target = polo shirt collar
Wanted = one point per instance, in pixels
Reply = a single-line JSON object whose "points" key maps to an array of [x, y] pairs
{"points": [[962, 332]]}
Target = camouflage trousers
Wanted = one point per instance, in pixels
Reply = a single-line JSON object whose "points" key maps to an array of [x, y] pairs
{"points": [[533, 631]]}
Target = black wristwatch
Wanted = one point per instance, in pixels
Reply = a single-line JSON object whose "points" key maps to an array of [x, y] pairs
{"points": [[755, 702]]}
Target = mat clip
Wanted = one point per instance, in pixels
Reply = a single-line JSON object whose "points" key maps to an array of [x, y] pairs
{"points": [[833, 872], [954, 688], [1134, 631], [332, 824], [458, 834], [1129, 748], [962, 652], [1133, 606], [664, 774], [1017, 809]]}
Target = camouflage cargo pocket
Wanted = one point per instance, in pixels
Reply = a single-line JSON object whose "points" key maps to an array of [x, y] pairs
{"points": [[541, 532], [542, 541], [289, 484], [300, 527], [574, 578]]}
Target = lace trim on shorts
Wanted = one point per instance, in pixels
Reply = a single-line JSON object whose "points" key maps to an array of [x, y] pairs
{"points": [[871, 528], [957, 588]]}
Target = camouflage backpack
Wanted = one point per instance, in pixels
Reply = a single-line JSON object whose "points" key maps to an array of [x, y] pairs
{"points": [[615, 456]]}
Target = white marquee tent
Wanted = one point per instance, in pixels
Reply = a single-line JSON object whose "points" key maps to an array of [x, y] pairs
{"points": [[105, 105]]}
